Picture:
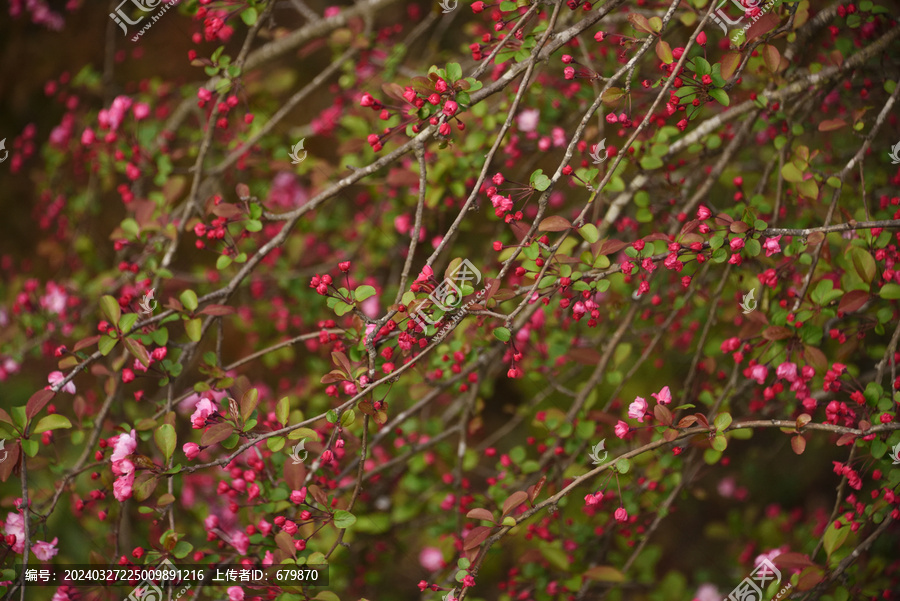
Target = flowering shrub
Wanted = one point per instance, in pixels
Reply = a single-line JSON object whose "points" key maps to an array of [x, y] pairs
{"points": [[560, 300]]}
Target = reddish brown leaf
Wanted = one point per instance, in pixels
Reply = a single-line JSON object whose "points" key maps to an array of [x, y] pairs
{"points": [[687, 421], [5, 417], [853, 301], [702, 419], [37, 402], [216, 433], [217, 310], [610, 247], [846, 439], [777, 333], [724, 219], [226, 210], [243, 191], [791, 561], [798, 443], [144, 485], [294, 475], [11, 462], [319, 495], [809, 578], [771, 57], [554, 223], [285, 543], [655, 237], [738, 227], [803, 419], [832, 124], [477, 536], [814, 239], [815, 357], [663, 415], [670, 435], [604, 574], [764, 25], [90, 341], [864, 425], [340, 359], [333, 376], [513, 501], [535, 490], [640, 22], [730, 62], [480, 513], [138, 350]]}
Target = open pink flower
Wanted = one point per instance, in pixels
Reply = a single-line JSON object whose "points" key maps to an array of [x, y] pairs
{"points": [[45, 551], [124, 486], [759, 373], [204, 409], [664, 397], [57, 376], [15, 525], [637, 409], [621, 429], [771, 246], [431, 559]]}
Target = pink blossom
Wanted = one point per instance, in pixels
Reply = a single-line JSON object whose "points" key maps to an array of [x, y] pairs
{"points": [[527, 120], [431, 559], [204, 409], [241, 542], [191, 449], [287, 192], [621, 514], [298, 496], [123, 486], [235, 593], [771, 246], [268, 559], [57, 376], [593, 499], [664, 397], [787, 371], [125, 445], [707, 592], [15, 525], [759, 373], [211, 522], [141, 110], [621, 429], [637, 409], [45, 551]]}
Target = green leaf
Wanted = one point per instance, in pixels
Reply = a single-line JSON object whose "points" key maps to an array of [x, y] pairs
{"points": [[281, 411], [720, 96], [454, 72], [194, 328], [502, 334], [719, 443], [166, 439], [890, 291], [722, 421], [276, 443], [111, 309], [127, 322], [253, 225], [623, 465], [589, 232], [30, 446], [223, 261], [701, 66], [651, 162], [863, 263], [182, 548], [106, 345], [539, 181], [344, 519], [189, 300], [249, 16], [791, 173], [54, 421], [363, 292], [834, 538]]}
